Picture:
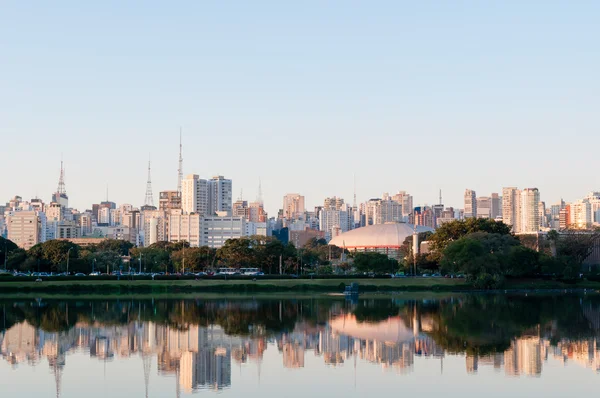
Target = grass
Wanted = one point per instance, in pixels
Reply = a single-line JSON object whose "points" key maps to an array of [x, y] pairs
{"points": [[208, 285]]}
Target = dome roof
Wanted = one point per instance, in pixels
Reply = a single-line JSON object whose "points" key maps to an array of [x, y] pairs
{"points": [[377, 236]]}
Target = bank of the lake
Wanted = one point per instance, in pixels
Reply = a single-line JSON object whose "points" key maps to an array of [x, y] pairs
{"points": [[88, 286]]}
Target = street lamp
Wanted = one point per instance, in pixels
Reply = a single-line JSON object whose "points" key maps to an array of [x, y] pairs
{"points": [[140, 263], [68, 251]]}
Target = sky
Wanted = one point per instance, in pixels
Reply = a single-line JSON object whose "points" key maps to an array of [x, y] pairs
{"points": [[404, 95]]}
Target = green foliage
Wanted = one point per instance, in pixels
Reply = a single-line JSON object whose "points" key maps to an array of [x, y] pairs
{"points": [[196, 259], [375, 262], [113, 245], [6, 247], [486, 258], [453, 231], [53, 253]]}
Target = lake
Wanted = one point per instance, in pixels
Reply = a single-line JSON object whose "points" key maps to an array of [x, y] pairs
{"points": [[494, 345]]}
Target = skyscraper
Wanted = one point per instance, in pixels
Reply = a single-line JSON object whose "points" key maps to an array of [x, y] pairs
{"points": [[530, 213], [470, 203]]}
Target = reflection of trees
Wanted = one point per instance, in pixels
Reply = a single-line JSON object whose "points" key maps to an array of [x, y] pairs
{"points": [[373, 311], [475, 324], [487, 324]]}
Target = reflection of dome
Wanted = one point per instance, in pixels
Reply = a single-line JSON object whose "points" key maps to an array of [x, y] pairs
{"points": [[391, 331], [381, 236]]}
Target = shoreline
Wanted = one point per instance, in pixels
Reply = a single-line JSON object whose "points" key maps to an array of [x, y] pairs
{"points": [[321, 286]]}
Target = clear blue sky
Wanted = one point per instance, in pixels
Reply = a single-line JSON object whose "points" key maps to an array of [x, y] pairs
{"points": [[411, 95]]}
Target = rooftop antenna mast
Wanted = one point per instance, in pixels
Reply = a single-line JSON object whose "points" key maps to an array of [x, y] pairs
{"points": [[441, 196], [149, 201], [260, 192], [180, 171], [354, 203], [61, 181]]}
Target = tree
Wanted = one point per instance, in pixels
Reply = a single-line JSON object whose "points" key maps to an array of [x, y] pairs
{"points": [[577, 245], [53, 253], [486, 258], [374, 262], [452, 231], [120, 246], [107, 261], [6, 248], [196, 258]]}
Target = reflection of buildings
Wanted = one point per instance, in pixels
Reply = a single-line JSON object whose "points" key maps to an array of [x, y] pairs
{"points": [[201, 358], [524, 357]]}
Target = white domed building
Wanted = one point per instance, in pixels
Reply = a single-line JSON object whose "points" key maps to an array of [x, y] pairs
{"points": [[382, 238]]}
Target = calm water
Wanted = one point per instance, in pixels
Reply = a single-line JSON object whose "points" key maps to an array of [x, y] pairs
{"points": [[463, 346]]}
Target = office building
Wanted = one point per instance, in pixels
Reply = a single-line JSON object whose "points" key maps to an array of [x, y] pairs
{"points": [[484, 207]]}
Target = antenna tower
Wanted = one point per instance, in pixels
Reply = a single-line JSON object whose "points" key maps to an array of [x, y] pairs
{"points": [[149, 201], [441, 196], [354, 203], [61, 181], [260, 193], [180, 171]]}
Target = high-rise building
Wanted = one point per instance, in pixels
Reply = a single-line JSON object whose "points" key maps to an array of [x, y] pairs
{"points": [[530, 213], [470, 203], [24, 228], [581, 215], [194, 195], [293, 206], [511, 207], [406, 201], [220, 195]]}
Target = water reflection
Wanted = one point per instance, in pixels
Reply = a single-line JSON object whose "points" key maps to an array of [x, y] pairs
{"points": [[199, 341]]}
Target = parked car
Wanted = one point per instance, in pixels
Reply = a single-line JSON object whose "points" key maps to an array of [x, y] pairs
{"points": [[80, 274]]}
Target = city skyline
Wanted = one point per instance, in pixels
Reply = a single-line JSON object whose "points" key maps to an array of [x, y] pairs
{"points": [[292, 95], [309, 203]]}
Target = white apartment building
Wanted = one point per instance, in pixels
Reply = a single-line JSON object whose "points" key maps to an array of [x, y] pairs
{"points": [[194, 195], [581, 215], [186, 227], [220, 195], [155, 226], [24, 228], [530, 213], [470, 204]]}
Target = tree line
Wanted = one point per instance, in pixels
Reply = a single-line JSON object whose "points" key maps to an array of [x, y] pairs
{"points": [[266, 253]]}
